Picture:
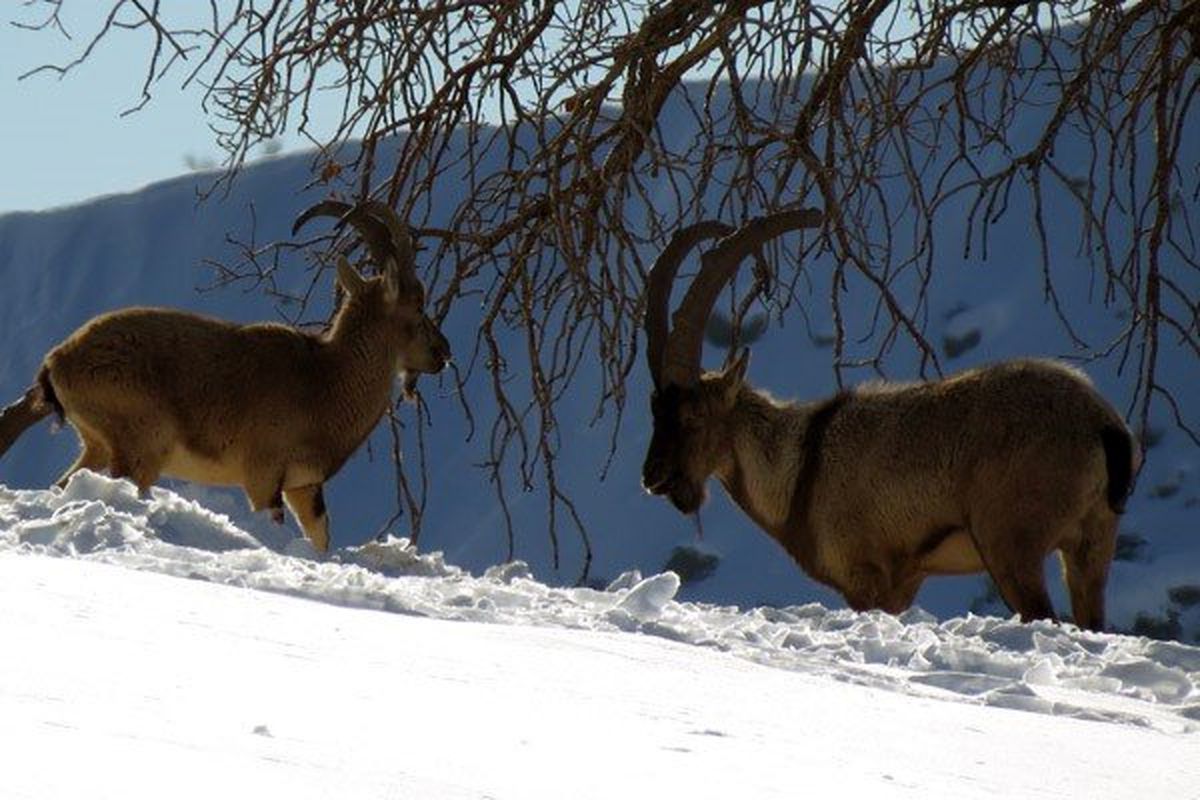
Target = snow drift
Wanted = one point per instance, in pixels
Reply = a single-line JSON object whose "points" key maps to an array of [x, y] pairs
{"points": [[1040, 667]]}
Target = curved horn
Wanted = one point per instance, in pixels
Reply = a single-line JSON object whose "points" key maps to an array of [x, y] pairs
{"points": [[371, 230], [658, 288], [399, 236], [681, 361], [325, 208]]}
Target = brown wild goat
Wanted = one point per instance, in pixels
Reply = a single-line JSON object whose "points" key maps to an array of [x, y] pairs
{"points": [[876, 488], [275, 410]]}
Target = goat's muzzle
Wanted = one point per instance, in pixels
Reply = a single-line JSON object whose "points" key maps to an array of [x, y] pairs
{"points": [[433, 354], [441, 350], [683, 493]]}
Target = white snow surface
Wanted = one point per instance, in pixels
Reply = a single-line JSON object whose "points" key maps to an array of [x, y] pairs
{"points": [[137, 680]]}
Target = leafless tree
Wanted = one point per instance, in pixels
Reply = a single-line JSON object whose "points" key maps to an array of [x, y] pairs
{"points": [[548, 118]]}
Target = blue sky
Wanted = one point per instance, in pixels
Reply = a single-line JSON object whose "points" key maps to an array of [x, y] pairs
{"points": [[65, 141]]}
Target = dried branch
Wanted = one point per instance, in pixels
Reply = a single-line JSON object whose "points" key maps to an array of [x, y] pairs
{"points": [[548, 120]]}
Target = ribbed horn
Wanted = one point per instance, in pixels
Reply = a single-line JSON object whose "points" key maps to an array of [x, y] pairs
{"points": [[681, 359], [372, 231], [658, 288], [399, 237]]}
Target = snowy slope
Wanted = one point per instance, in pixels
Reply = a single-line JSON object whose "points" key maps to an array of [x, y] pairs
{"points": [[61, 267], [142, 661]]}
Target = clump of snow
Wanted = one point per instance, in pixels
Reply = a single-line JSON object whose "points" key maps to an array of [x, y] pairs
{"points": [[648, 598], [1041, 667]]}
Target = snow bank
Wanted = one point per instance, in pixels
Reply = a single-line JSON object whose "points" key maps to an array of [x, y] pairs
{"points": [[1041, 667]]}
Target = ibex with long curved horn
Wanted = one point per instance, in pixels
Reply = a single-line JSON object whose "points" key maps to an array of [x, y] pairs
{"points": [[876, 488], [267, 407]]}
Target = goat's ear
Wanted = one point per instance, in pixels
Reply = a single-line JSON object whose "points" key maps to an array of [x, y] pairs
{"points": [[350, 279], [734, 375]]}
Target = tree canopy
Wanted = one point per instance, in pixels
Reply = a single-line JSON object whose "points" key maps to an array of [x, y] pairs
{"points": [[549, 117]]}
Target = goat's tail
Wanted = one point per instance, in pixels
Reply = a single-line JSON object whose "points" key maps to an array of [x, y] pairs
{"points": [[1121, 463], [38, 402]]}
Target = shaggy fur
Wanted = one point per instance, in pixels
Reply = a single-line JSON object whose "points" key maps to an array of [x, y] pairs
{"points": [[874, 490], [275, 410]]}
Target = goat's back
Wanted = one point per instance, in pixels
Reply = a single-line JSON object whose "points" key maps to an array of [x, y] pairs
{"points": [[206, 376], [924, 456]]}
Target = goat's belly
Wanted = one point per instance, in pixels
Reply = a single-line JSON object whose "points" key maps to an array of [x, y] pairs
{"points": [[954, 555], [300, 474], [190, 466]]}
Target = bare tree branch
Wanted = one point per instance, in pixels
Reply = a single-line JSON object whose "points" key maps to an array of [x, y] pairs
{"points": [[579, 136]]}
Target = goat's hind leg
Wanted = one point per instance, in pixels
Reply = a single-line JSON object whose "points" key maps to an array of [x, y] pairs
{"points": [[1086, 561], [264, 489], [94, 455], [140, 459], [1015, 558]]}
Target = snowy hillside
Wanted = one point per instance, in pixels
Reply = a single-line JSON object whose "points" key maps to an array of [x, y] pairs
{"points": [[143, 660], [153, 246]]}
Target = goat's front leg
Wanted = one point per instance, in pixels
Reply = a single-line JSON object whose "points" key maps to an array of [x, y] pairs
{"points": [[308, 504], [265, 491]]}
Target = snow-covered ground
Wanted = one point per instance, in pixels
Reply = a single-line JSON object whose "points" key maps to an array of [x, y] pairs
{"points": [[154, 648]]}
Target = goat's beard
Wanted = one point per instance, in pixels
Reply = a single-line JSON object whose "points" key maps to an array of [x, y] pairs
{"points": [[408, 385], [687, 496]]}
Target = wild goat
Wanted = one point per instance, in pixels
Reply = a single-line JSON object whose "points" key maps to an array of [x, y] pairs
{"points": [[276, 410], [874, 489]]}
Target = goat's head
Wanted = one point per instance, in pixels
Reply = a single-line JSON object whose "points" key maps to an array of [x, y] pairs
{"points": [[691, 434], [691, 409], [396, 292]]}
